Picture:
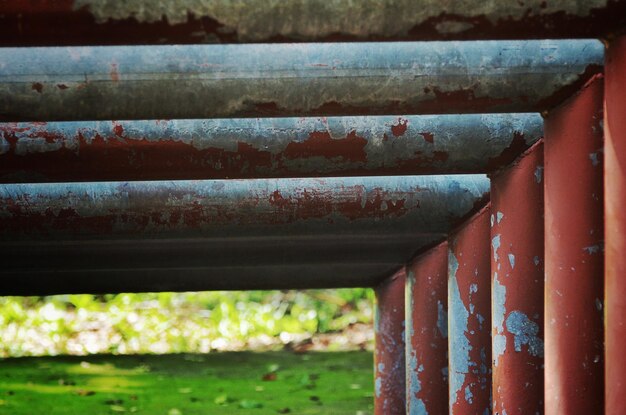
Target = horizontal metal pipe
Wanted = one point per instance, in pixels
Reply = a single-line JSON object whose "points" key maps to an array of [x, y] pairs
{"points": [[219, 208], [91, 22], [181, 278], [265, 147], [43, 256], [207, 81]]}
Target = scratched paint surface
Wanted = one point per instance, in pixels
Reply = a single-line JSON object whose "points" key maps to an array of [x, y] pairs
{"points": [[517, 266], [389, 354], [195, 21], [469, 311], [574, 254], [427, 323], [207, 81], [217, 208], [615, 226], [266, 147]]}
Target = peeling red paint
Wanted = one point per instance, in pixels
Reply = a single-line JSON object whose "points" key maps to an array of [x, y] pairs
{"points": [[400, 128], [427, 343], [389, 360], [517, 267], [321, 144], [615, 226], [574, 261], [469, 246]]}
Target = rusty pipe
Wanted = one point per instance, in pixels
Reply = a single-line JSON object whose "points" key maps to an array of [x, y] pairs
{"points": [[265, 147], [219, 208], [207, 81]]}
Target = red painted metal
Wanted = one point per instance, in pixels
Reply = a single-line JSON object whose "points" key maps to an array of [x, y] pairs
{"points": [[389, 367], [28, 22], [615, 226], [427, 322], [469, 311], [517, 287], [573, 249]]}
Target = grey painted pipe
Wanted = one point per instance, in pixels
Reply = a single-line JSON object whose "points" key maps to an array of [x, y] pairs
{"points": [[210, 252], [234, 277], [207, 81], [54, 266], [230, 208], [265, 147]]}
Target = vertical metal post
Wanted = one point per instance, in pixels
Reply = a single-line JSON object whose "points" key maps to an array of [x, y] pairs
{"points": [[615, 226], [469, 311], [517, 285], [389, 361], [573, 248], [427, 322]]}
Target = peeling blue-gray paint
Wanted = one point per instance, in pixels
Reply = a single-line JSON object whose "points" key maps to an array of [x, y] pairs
{"points": [[536, 260], [593, 249], [500, 215], [499, 347], [498, 313], [512, 260], [525, 332], [442, 319], [459, 346], [418, 407], [473, 288], [495, 243], [594, 159], [469, 396], [539, 174], [378, 386]]}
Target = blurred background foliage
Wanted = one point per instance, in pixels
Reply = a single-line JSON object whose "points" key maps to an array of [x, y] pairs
{"points": [[197, 322]]}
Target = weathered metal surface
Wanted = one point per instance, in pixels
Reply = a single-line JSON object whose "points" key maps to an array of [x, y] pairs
{"points": [[219, 208], [615, 226], [517, 265], [262, 277], [91, 22], [266, 147], [47, 267], [389, 331], [207, 81], [574, 260], [469, 316], [427, 324]]}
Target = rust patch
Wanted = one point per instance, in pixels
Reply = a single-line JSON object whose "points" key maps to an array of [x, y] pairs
{"points": [[321, 144], [37, 86], [400, 128], [428, 137], [567, 91], [515, 149], [62, 86], [115, 75], [461, 100]]}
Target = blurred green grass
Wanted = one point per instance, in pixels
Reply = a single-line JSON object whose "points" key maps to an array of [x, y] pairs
{"points": [[189, 384], [197, 322]]}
